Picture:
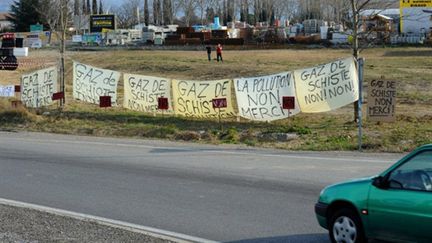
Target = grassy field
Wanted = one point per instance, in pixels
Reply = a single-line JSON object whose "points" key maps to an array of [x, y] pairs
{"points": [[411, 68]]}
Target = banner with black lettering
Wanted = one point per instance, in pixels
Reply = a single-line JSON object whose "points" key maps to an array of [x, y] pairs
{"points": [[261, 98], [194, 98], [327, 87], [141, 93], [90, 83], [38, 87]]}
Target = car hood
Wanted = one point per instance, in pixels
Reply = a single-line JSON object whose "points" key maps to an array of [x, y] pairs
{"points": [[354, 191], [353, 181]]}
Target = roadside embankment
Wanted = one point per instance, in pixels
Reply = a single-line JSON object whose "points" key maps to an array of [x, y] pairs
{"points": [[36, 224]]}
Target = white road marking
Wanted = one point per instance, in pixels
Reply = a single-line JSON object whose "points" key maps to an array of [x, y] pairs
{"points": [[153, 232]]}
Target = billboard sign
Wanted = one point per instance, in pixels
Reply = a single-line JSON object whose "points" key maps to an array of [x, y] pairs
{"points": [[416, 16], [102, 21], [36, 28]]}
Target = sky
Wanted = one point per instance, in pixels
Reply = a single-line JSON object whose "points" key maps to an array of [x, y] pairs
{"points": [[5, 4]]}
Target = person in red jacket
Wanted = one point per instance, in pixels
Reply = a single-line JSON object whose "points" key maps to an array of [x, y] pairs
{"points": [[219, 52]]}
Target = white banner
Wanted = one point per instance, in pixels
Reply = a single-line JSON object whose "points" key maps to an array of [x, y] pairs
{"points": [[7, 91], [89, 83], [141, 93], [38, 87], [327, 87], [260, 98]]}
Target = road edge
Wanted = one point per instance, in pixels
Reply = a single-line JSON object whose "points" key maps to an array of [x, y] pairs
{"points": [[153, 232]]}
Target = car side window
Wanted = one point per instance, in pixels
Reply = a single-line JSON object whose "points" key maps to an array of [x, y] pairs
{"points": [[415, 174]]}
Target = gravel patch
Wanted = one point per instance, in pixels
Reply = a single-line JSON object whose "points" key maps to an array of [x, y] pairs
{"points": [[30, 226]]}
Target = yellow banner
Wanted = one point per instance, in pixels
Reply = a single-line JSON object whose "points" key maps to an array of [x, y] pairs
{"points": [[194, 98], [327, 87], [416, 3]]}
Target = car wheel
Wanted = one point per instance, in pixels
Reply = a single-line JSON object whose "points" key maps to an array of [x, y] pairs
{"points": [[346, 227]]}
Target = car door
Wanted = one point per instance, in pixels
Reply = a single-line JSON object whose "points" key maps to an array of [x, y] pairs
{"points": [[403, 209]]}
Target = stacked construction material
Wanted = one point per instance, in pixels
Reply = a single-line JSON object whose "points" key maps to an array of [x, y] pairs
{"points": [[312, 26], [203, 36], [185, 36], [221, 37], [219, 34]]}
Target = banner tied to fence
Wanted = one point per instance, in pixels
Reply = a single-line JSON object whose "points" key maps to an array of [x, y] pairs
{"points": [[194, 98], [141, 93], [7, 91], [38, 87], [260, 98], [327, 87], [90, 83]]}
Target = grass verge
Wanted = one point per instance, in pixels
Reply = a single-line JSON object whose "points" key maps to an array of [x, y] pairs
{"points": [[409, 67]]}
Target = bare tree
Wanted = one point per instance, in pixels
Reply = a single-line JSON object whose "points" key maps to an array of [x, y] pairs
{"points": [[287, 9], [168, 15], [156, 12], [94, 7], [77, 7], [88, 7], [146, 13], [257, 10], [357, 6], [202, 6], [58, 14], [84, 7], [244, 10], [126, 13], [101, 10], [188, 7], [230, 11]]}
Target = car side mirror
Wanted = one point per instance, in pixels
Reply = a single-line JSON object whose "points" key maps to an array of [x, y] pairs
{"points": [[380, 182]]}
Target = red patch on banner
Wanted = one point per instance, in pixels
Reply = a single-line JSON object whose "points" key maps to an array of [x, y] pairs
{"points": [[163, 103], [58, 96], [288, 102], [220, 103], [105, 101]]}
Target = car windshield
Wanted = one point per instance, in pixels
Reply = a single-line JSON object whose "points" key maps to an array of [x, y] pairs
{"points": [[415, 174]]}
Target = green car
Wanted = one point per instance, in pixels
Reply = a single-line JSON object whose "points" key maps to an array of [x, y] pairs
{"points": [[395, 206]]}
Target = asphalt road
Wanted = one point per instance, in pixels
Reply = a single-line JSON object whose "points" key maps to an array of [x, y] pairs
{"points": [[222, 193]]}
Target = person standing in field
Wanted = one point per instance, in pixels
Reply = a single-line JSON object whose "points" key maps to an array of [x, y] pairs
{"points": [[209, 50], [219, 52]]}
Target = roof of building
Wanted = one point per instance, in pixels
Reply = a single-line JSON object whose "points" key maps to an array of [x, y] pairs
{"points": [[383, 12], [3, 16]]}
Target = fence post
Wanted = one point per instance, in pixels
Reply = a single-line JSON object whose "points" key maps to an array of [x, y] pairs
{"points": [[360, 63]]}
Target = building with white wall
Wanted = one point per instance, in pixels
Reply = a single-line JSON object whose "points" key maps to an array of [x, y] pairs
{"points": [[416, 16], [4, 23]]}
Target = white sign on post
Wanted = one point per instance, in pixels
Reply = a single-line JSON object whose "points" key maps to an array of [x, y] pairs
{"points": [[90, 83], [141, 93], [327, 87], [260, 98], [7, 91], [38, 87]]}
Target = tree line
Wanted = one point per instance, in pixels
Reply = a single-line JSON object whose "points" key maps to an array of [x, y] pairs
{"points": [[24, 13], [190, 12]]}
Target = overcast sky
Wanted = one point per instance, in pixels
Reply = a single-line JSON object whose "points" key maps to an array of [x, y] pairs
{"points": [[5, 4]]}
